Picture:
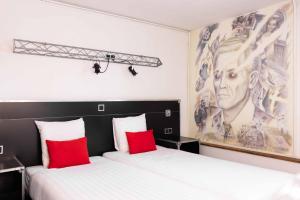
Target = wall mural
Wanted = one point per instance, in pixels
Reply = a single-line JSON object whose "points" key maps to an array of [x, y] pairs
{"points": [[241, 81]]}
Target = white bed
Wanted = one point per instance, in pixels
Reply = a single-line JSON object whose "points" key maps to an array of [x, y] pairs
{"points": [[240, 181], [105, 179]]}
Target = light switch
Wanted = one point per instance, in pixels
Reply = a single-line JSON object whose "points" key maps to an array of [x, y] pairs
{"points": [[1, 149], [101, 107]]}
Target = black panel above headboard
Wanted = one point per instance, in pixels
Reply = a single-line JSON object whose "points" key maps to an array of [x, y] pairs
{"points": [[19, 134]]}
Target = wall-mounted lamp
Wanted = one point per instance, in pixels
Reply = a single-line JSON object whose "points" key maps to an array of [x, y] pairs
{"points": [[132, 71], [97, 67]]}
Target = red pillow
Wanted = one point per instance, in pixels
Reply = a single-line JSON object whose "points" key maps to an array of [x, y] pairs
{"points": [[139, 142], [67, 153]]}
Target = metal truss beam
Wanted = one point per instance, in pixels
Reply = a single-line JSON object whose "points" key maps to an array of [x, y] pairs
{"points": [[63, 51]]}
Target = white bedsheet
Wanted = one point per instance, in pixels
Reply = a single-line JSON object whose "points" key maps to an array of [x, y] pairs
{"points": [[105, 179], [29, 173], [290, 191], [243, 182]]}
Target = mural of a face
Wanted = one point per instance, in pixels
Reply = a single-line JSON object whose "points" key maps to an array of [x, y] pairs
{"points": [[244, 74], [272, 25], [231, 82], [206, 34]]}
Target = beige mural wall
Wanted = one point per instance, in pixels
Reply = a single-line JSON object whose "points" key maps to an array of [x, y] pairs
{"points": [[241, 81]]}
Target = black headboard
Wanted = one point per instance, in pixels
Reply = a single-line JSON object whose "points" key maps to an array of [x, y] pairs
{"points": [[19, 134]]}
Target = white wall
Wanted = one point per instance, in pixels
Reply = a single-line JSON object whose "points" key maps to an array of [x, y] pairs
{"points": [[25, 77], [259, 160]]}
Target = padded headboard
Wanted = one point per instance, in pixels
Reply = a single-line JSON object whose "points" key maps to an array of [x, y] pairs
{"points": [[19, 134]]}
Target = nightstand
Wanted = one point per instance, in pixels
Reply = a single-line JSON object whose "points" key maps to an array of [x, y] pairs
{"points": [[183, 143], [11, 178]]}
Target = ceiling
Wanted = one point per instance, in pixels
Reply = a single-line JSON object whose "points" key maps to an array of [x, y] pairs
{"points": [[181, 14]]}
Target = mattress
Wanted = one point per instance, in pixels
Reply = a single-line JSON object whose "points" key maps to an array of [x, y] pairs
{"points": [[29, 172], [108, 180], [234, 179]]}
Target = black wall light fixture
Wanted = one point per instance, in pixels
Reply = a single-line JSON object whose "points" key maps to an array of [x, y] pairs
{"points": [[97, 56], [132, 71], [97, 65]]}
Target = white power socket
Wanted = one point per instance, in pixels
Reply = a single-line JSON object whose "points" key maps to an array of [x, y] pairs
{"points": [[1, 149], [168, 113]]}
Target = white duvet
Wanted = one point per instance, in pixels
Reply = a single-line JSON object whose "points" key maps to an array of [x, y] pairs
{"points": [[105, 179], [243, 182], [290, 191]]}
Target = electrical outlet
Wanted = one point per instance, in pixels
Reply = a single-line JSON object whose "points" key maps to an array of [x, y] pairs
{"points": [[168, 131], [101, 107], [1, 149], [110, 57]]}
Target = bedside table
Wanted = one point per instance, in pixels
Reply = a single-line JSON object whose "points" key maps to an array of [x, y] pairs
{"points": [[184, 143], [11, 178]]}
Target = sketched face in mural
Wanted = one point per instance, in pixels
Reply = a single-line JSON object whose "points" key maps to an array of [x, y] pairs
{"points": [[275, 22], [206, 34], [232, 79], [272, 25]]}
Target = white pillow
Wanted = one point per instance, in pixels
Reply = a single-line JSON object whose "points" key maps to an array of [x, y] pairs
{"points": [[127, 124], [59, 131]]}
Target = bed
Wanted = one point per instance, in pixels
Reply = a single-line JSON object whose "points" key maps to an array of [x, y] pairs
{"points": [[110, 180], [233, 179], [162, 174], [103, 179]]}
